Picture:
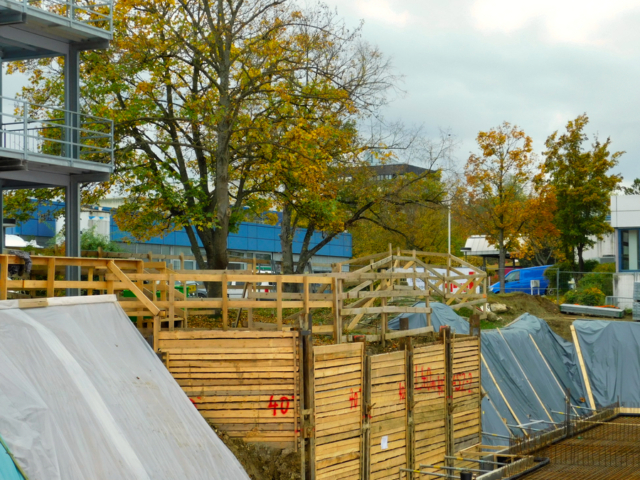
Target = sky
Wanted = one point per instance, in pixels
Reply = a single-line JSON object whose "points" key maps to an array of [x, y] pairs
{"points": [[469, 65]]}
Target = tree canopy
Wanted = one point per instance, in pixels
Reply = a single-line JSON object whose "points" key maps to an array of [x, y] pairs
{"points": [[582, 185], [227, 109], [495, 197]]}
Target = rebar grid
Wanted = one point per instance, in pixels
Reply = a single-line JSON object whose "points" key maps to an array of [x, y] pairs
{"points": [[596, 451]]}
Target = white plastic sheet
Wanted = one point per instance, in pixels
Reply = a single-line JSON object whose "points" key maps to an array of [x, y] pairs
{"points": [[83, 396]]}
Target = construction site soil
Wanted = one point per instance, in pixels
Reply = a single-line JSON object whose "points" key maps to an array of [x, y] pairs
{"points": [[262, 462], [541, 307]]}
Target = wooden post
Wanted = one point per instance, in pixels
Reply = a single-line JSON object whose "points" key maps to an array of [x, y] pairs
{"points": [[449, 445], [305, 298], [365, 465], [181, 256], [303, 402], [156, 332], [51, 276], [336, 288], [172, 299], [250, 292], [383, 323], [309, 398], [89, 279], [296, 396], [410, 439], [4, 276], [225, 303], [583, 368], [279, 301], [139, 318]]}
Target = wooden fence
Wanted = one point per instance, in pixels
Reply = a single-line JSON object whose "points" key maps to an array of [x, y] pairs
{"points": [[364, 417], [388, 426], [338, 377], [159, 297], [245, 383]]}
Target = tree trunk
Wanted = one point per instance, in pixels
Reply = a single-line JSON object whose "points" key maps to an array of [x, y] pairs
{"points": [[214, 243], [580, 249], [501, 260], [286, 240]]}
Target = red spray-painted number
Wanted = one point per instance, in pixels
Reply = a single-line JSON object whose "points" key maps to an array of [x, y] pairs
{"points": [[283, 406], [354, 398], [402, 391]]}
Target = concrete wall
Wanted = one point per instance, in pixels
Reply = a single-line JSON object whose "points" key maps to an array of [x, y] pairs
{"points": [[625, 211], [623, 288]]}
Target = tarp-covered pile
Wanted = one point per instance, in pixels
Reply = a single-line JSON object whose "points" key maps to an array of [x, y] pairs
{"points": [[83, 396], [611, 354]]}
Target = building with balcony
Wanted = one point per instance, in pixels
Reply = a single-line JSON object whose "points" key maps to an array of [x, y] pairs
{"points": [[44, 146]]}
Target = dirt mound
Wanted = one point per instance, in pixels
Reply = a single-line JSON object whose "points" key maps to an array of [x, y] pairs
{"points": [[261, 462], [519, 303]]}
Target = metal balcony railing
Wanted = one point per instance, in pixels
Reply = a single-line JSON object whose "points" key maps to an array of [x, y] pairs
{"points": [[95, 13], [54, 132]]}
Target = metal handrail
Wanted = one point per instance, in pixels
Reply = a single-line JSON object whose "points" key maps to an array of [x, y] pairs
{"points": [[72, 10], [60, 133]]}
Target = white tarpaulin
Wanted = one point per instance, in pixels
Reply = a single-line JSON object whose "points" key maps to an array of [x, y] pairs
{"points": [[83, 396]]}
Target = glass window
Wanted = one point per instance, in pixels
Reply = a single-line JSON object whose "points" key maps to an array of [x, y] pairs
{"points": [[629, 254], [512, 277]]}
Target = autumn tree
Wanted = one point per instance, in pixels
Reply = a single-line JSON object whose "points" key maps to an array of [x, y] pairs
{"points": [[540, 240], [583, 186], [498, 181], [356, 197], [214, 101]]}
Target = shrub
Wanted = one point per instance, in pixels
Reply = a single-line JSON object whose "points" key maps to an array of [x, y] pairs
{"points": [[592, 296], [571, 297], [91, 240], [600, 281]]}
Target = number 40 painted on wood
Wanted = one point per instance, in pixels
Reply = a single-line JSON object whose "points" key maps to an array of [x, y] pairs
{"points": [[283, 406]]}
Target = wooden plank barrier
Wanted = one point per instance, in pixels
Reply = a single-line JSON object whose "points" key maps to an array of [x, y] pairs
{"points": [[388, 417], [338, 372], [245, 383], [466, 392], [429, 408], [369, 415]]}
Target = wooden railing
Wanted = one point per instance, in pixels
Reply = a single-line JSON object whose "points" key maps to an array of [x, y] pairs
{"points": [[158, 297]]}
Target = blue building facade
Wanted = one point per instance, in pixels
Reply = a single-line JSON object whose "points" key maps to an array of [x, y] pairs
{"points": [[257, 239]]}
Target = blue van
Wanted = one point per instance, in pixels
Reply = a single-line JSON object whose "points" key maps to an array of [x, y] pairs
{"points": [[520, 281]]}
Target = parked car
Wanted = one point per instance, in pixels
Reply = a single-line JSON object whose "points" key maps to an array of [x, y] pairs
{"points": [[526, 280]]}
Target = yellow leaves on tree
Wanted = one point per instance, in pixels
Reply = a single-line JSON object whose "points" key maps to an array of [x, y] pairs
{"points": [[498, 184]]}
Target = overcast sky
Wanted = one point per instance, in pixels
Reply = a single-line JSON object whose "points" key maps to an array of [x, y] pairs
{"points": [[469, 65]]}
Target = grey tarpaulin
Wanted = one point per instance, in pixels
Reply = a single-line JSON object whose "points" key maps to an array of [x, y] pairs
{"points": [[536, 370], [560, 355], [441, 315], [83, 396], [611, 354], [514, 386], [491, 422], [491, 388]]}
